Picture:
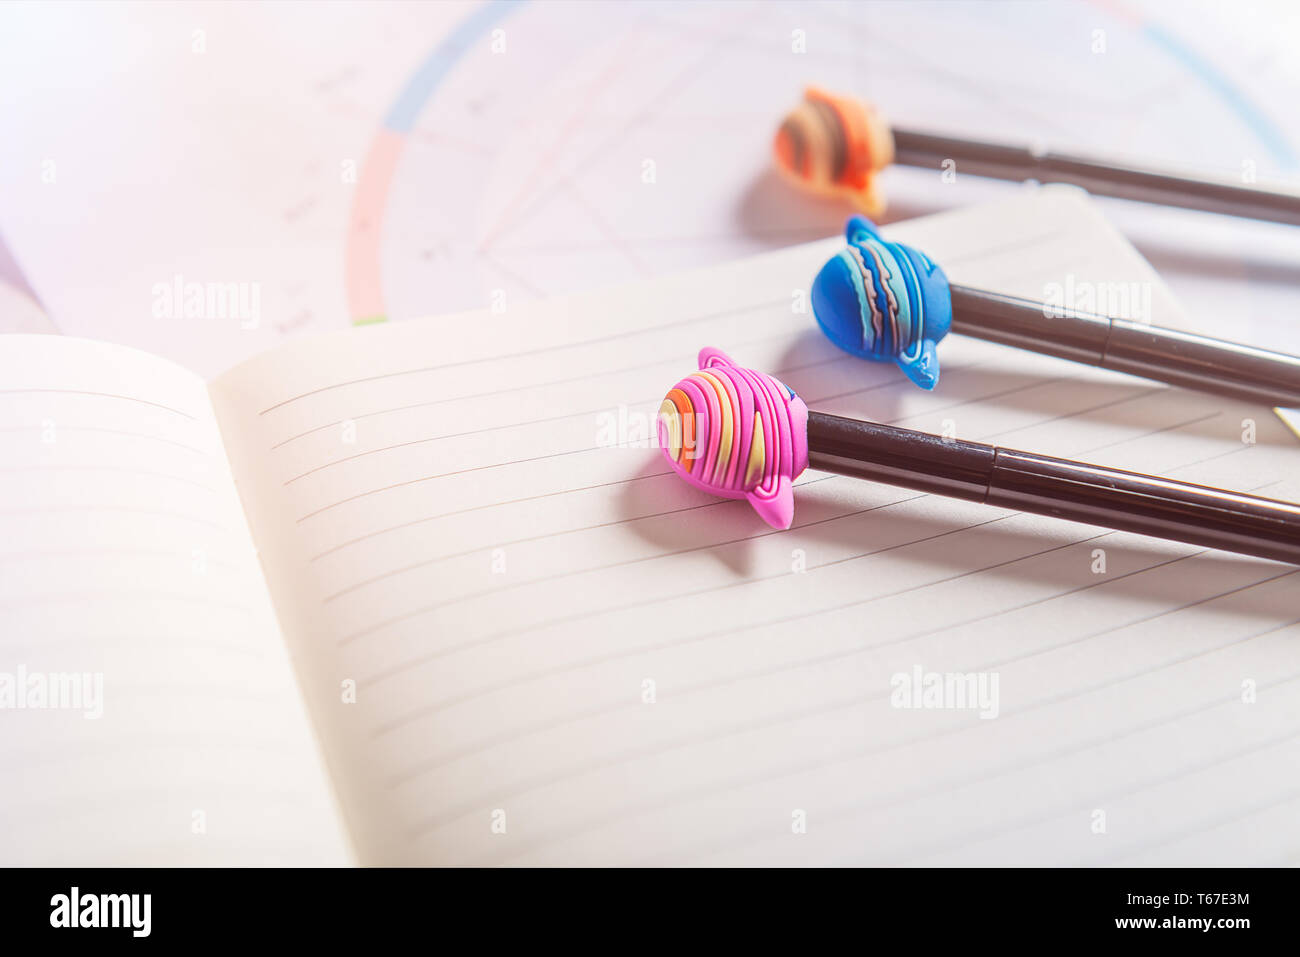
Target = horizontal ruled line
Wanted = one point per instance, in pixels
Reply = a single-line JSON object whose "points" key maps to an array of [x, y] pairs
{"points": [[96, 429], [101, 395], [654, 329], [546, 536], [431, 823], [546, 384], [896, 383]]}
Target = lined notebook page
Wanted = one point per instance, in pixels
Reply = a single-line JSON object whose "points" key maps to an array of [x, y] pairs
{"points": [[125, 557], [564, 654]]}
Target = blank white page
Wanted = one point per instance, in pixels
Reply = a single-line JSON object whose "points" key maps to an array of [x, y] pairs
{"points": [[563, 654], [124, 554]]}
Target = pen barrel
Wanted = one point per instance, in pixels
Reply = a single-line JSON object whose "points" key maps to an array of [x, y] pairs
{"points": [[1167, 355], [915, 460], [1199, 362], [1026, 324], [1118, 179], [1078, 491], [1145, 504]]}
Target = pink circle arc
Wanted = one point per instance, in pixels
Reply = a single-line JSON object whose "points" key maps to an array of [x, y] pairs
{"points": [[362, 269]]}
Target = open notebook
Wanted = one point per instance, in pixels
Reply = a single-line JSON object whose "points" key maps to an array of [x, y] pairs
{"points": [[392, 595]]}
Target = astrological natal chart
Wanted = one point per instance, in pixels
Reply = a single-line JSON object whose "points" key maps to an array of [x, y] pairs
{"points": [[544, 148]]}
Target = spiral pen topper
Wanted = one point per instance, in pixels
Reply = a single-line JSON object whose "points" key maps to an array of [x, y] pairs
{"points": [[837, 145], [739, 433], [884, 301], [888, 302]]}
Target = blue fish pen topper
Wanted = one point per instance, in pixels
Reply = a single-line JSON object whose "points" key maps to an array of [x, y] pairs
{"points": [[884, 301]]}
